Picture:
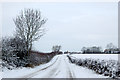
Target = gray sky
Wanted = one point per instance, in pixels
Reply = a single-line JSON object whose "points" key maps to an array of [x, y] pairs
{"points": [[71, 25]]}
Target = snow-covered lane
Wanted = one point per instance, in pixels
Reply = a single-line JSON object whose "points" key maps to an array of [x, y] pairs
{"points": [[58, 70], [59, 67], [63, 69]]}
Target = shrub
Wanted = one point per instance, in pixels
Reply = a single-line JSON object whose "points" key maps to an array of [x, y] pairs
{"points": [[109, 68], [14, 52]]}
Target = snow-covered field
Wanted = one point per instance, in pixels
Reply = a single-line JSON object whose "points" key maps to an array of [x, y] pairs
{"points": [[97, 56], [58, 67], [105, 64]]}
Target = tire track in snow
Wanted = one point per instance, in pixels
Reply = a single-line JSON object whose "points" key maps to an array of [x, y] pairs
{"points": [[63, 69], [53, 72], [34, 73], [57, 70], [70, 71]]}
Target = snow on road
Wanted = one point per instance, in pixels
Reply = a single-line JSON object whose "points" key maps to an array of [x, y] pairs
{"points": [[58, 67]]}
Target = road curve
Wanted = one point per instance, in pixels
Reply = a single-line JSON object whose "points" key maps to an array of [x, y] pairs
{"points": [[61, 68]]}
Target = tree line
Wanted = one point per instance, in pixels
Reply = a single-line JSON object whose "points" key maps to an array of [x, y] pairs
{"points": [[110, 48]]}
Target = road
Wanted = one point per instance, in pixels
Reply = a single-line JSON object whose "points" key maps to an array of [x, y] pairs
{"points": [[62, 68]]}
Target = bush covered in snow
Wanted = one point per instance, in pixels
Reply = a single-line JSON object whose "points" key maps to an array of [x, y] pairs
{"points": [[13, 52], [109, 68]]}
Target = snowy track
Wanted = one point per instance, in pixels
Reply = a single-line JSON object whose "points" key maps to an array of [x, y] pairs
{"points": [[60, 67]]}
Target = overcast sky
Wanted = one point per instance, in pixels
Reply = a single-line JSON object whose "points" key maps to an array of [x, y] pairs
{"points": [[71, 25]]}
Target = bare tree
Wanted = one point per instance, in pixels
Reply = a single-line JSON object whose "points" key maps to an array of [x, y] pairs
{"points": [[110, 46], [29, 26], [56, 48]]}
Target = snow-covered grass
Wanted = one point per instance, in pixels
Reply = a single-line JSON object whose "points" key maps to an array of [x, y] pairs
{"points": [[97, 56]]}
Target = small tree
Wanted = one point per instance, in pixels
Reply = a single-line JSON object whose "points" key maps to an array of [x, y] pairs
{"points": [[83, 49], [29, 26], [56, 48], [110, 46]]}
